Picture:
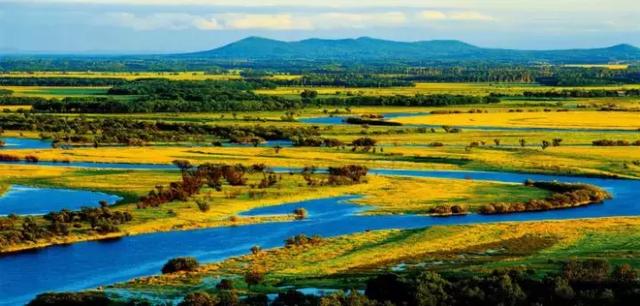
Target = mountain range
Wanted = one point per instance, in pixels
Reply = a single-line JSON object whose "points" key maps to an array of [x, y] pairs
{"points": [[371, 49]]}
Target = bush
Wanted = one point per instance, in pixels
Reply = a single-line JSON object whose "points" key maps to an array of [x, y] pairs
{"points": [[294, 297], [354, 120], [363, 142], [350, 173], [300, 213], [9, 158], [31, 159], [203, 206], [180, 264]]}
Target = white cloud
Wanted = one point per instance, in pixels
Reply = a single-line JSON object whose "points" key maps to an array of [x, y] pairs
{"points": [[160, 21], [355, 20], [470, 16], [433, 15], [265, 21], [241, 21]]}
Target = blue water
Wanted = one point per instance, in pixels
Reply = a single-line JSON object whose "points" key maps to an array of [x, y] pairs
{"points": [[269, 143], [339, 119], [92, 165], [12, 143], [528, 129], [90, 264], [25, 200]]}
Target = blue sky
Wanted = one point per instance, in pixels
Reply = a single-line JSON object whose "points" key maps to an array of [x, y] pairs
{"points": [[149, 26]]}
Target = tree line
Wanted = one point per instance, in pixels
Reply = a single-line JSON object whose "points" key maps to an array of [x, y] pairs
{"points": [[400, 100], [564, 195], [348, 79], [544, 75], [99, 131], [581, 93], [101, 220], [60, 81]]}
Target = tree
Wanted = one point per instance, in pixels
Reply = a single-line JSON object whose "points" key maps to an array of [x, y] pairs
{"points": [[182, 164], [228, 298], [71, 299], [556, 142], [198, 299], [523, 142], [431, 290], [256, 249], [497, 142], [624, 273], [545, 144], [294, 297], [254, 277], [595, 270], [308, 94], [203, 206], [300, 213], [225, 284]]}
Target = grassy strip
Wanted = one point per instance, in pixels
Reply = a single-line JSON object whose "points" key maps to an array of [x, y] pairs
{"points": [[340, 262]]}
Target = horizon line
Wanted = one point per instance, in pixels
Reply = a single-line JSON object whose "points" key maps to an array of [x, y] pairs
{"points": [[10, 51]]}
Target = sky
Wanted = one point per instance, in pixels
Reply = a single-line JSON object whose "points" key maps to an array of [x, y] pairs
{"points": [[163, 26]]}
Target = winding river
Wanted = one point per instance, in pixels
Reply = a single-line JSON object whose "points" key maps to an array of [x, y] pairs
{"points": [[26, 200], [340, 119], [11, 143], [90, 264], [333, 120]]}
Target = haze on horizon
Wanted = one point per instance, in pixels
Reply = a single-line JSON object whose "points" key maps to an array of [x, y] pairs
{"points": [[162, 26]]}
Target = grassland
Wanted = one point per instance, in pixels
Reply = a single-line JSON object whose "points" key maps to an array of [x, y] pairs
{"points": [[344, 261], [56, 92], [608, 66], [182, 75], [481, 89], [455, 155], [379, 192], [562, 120]]}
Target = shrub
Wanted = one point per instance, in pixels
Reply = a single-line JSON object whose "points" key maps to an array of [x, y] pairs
{"points": [[300, 213], [9, 158], [353, 174], [302, 240], [254, 277], [203, 206], [31, 159], [180, 264], [225, 284], [364, 142]]}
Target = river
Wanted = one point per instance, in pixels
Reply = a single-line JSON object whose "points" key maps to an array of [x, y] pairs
{"points": [[90, 264]]}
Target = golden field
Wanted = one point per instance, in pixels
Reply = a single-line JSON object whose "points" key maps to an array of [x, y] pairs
{"points": [[562, 120], [476, 248]]}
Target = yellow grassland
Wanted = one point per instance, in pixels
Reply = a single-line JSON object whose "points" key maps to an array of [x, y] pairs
{"points": [[376, 249], [583, 120]]}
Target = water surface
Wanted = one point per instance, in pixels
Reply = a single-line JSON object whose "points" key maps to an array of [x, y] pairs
{"points": [[90, 264], [26, 200], [12, 143]]}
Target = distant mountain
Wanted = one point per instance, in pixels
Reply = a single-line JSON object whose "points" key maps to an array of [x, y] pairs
{"points": [[371, 49]]}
